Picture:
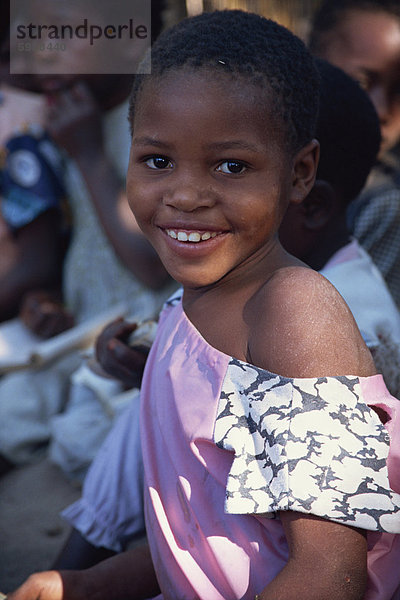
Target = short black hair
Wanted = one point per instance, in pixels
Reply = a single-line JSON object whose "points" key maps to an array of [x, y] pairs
{"points": [[331, 13], [247, 45], [348, 131]]}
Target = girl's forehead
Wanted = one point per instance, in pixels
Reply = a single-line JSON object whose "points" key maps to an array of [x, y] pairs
{"points": [[192, 88], [207, 109], [185, 77]]}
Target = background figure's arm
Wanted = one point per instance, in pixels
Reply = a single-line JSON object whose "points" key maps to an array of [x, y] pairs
{"points": [[75, 124]]}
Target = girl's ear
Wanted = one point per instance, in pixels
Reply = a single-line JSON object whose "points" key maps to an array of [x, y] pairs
{"points": [[305, 165]]}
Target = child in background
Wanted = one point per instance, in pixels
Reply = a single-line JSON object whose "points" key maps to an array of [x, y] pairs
{"points": [[32, 220], [33, 228], [265, 466], [362, 37], [315, 231], [109, 262]]}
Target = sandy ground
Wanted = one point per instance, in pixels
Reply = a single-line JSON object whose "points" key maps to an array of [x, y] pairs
{"points": [[31, 531]]}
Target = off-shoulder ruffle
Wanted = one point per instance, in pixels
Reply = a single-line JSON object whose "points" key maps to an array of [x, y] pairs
{"points": [[310, 445]]}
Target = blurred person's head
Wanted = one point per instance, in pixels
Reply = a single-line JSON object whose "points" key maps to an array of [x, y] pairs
{"points": [[59, 70], [363, 38], [349, 136]]}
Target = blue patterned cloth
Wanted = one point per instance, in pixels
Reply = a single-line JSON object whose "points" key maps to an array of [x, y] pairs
{"points": [[31, 181]]}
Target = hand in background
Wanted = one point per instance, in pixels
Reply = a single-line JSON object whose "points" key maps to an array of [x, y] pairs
{"points": [[47, 586], [117, 357], [53, 585], [44, 314], [74, 121]]}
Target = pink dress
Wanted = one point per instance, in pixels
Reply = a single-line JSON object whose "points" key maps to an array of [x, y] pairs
{"points": [[227, 445]]}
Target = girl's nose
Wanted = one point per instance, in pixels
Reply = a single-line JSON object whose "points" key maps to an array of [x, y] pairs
{"points": [[189, 196]]}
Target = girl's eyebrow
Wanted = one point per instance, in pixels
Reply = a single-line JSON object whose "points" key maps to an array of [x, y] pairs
{"points": [[232, 144], [220, 146], [149, 141]]}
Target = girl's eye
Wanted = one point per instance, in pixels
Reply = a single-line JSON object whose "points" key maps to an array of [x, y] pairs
{"points": [[158, 162], [232, 167]]}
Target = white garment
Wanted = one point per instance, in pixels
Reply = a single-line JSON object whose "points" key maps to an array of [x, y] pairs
{"points": [[94, 402], [353, 273]]}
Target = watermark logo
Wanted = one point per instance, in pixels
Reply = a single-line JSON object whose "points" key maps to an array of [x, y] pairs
{"points": [[65, 37]]}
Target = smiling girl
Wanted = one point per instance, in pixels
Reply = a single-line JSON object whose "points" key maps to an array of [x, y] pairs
{"points": [[266, 469]]}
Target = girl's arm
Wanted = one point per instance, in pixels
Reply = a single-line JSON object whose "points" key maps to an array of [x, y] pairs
{"points": [[129, 575], [326, 560]]}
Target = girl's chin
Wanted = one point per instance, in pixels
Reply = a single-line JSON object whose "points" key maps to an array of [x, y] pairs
{"points": [[192, 278]]}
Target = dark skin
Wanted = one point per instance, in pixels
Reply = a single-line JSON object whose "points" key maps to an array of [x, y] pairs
{"points": [[43, 312], [117, 357]]}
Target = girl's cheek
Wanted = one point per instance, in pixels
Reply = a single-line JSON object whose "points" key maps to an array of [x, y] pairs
{"points": [[139, 201]]}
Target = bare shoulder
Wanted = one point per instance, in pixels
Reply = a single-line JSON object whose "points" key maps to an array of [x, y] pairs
{"points": [[300, 326]]}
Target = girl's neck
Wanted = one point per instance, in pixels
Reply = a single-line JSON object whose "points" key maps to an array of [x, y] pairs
{"points": [[218, 311]]}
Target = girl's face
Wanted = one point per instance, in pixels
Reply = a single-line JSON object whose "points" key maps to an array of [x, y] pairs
{"points": [[209, 179]]}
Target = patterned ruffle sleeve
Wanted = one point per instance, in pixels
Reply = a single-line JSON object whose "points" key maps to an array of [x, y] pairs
{"points": [[307, 445]]}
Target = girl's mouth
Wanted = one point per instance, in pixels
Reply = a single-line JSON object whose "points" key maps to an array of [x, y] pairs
{"points": [[192, 236]]}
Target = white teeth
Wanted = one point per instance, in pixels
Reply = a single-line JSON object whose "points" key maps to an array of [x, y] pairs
{"points": [[194, 236]]}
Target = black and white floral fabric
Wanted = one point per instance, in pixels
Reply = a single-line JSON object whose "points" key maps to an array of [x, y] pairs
{"points": [[307, 445]]}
